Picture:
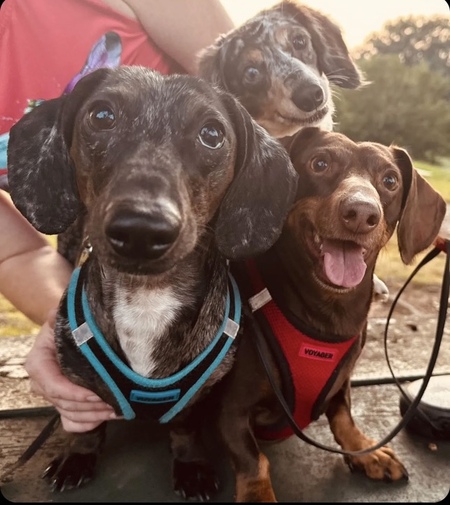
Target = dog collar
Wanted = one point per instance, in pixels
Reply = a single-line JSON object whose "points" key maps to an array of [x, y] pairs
{"points": [[137, 395]]}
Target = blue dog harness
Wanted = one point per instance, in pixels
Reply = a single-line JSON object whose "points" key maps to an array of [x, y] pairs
{"points": [[139, 396]]}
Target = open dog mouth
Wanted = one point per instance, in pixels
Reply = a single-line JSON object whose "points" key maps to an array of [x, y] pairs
{"points": [[340, 262], [308, 121]]}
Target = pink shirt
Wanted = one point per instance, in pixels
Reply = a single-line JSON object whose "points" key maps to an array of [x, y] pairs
{"points": [[47, 45]]}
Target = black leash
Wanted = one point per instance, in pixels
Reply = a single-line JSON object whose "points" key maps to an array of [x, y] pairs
{"points": [[48, 429], [263, 352], [442, 314]]}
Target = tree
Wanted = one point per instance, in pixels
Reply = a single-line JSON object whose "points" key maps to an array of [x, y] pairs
{"points": [[403, 105], [414, 39]]}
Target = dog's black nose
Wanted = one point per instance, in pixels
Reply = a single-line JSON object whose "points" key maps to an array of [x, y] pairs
{"points": [[141, 235], [308, 98], [360, 215]]}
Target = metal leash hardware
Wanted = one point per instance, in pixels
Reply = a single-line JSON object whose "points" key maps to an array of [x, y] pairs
{"points": [[85, 251]]}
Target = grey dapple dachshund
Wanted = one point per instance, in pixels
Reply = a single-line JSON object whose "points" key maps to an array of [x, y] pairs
{"points": [[281, 64], [172, 177]]}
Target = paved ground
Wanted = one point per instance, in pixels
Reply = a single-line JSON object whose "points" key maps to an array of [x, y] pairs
{"points": [[135, 466]]}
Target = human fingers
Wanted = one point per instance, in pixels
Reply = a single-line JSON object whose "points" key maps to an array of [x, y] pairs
{"points": [[80, 422], [61, 392], [79, 427], [47, 380]]}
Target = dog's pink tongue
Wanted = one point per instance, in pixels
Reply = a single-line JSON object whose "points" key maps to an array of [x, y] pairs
{"points": [[343, 262]]}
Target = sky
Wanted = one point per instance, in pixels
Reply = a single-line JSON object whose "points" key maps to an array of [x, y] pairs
{"points": [[357, 18]]}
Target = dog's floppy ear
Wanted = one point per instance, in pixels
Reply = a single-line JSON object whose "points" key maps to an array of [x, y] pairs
{"points": [[254, 209], [41, 182], [211, 62], [334, 58], [294, 144], [423, 210], [40, 172]]}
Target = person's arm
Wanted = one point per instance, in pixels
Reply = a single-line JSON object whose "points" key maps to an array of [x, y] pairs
{"points": [[181, 28], [33, 276]]}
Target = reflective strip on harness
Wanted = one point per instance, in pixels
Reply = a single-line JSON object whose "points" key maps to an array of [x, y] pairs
{"points": [[260, 299], [160, 399]]}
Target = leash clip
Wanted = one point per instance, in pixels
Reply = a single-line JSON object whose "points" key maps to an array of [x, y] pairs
{"points": [[442, 243], [85, 252]]}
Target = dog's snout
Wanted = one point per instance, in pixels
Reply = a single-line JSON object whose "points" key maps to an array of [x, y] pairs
{"points": [[360, 214], [308, 98], [142, 235]]}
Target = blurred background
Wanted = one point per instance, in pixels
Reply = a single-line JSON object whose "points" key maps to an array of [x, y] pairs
{"points": [[357, 19]]}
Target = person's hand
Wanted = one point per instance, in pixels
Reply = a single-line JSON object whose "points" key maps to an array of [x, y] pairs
{"points": [[80, 409]]}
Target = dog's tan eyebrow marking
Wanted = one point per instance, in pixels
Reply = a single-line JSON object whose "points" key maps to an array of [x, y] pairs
{"points": [[281, 35], [284, 33], [254, 56]]}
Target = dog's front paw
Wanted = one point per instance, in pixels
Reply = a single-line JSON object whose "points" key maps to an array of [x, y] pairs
{"points": [[70, 472], [194, 479], [381, 464]]}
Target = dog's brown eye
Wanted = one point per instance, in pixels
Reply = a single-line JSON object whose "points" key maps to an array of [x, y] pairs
{"points": [[390, 182], [102, 117], [252, 75], [299, 42], [211, 135], [319, 164]]}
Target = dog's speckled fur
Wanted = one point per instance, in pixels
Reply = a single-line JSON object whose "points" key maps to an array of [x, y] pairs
{"points": [[280, 64], [168, 177], [283, 96]]}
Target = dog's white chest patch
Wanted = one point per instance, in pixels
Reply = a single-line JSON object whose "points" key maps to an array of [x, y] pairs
{"points": [[141, 318]]}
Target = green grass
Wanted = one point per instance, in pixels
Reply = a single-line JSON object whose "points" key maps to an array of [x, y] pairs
{"points": [[13, 323], [437, 175], [390, 268], [393, 271]]}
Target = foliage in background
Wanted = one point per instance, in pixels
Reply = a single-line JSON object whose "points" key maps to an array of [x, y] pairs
{"points": [[402, 105], [389, 266], [438, 176], [413, 39], [407, 98]]}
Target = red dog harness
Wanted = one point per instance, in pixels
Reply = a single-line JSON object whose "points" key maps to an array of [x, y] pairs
{"points": [[308, 365]]}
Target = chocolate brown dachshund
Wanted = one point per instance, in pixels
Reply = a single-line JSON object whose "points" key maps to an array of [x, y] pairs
{"points": [[311, 294]]}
